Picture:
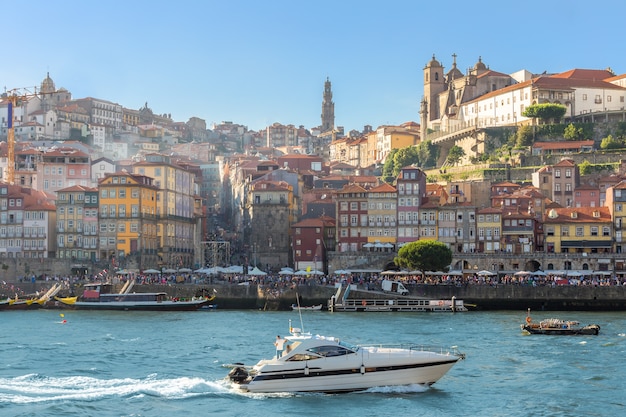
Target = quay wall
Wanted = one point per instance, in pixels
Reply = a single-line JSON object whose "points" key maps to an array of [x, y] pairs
{"points": [[480, 297]]}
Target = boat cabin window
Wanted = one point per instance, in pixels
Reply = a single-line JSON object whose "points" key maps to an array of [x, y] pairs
{"points": [[298, 357], [330, 350]]}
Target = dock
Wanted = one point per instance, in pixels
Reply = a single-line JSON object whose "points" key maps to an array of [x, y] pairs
{"points": [[340, 302]]}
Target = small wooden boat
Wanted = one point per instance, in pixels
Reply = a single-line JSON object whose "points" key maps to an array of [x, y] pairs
{"points": [[558, 327], [296, 307], [30, 302]]}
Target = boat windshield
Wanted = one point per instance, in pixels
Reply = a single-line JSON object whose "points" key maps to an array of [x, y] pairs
{"points": [[349, 346]]}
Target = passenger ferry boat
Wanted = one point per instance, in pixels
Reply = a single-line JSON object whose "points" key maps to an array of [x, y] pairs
{"points": [[98, 296]]}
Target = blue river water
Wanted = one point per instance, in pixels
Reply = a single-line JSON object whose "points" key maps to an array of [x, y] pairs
{"points": [[172, 364]]}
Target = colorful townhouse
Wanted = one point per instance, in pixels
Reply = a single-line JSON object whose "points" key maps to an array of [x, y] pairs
{"points": [[352, 218], [128, 219], [312, 239], [77, 223], [616, 203], [382, 203], [411, 189], [578, 230], [489, 225]]}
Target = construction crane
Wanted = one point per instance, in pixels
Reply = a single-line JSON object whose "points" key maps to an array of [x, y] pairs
{"points": [[15, 98]]}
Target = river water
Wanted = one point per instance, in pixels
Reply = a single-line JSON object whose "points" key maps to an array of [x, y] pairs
{"points": [[172, 364]]}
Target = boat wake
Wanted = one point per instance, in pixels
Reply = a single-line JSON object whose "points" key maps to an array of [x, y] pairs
{"points": [[36, 388], [399, 389]]}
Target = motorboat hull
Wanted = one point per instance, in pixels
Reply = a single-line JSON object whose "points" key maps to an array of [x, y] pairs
{"points": [[346, 377]]}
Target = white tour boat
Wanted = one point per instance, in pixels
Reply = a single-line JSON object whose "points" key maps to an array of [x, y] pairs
{"points": [[326, 364]]}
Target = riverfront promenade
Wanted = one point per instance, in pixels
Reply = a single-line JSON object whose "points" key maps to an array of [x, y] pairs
{"points": [[281, 295]]}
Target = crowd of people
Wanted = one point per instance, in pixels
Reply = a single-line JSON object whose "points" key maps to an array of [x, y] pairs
{"points": [[369, 281]]}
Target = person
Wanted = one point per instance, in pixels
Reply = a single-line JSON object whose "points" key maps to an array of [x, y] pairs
{"points": [[280, 346]]}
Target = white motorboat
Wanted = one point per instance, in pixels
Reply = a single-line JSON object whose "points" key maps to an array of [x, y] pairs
{"points": [[326, 364]]}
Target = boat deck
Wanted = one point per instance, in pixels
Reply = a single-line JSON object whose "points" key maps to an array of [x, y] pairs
{"points": [[398, 304]]}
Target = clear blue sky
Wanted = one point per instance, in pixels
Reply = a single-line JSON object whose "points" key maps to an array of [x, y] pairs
{"points": [[258, 62]]}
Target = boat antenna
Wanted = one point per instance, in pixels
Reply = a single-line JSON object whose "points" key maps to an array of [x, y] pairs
{"points": [[300, 311]]}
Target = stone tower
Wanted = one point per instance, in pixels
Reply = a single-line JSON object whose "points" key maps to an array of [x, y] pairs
{"points": [[328, 109], [434, 83]]}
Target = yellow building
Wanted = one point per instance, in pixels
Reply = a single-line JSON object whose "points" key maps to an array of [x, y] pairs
{"points": [[381, 216], [128, 227], [578, 230], [386, 138], [177, 221], [489, 226]]}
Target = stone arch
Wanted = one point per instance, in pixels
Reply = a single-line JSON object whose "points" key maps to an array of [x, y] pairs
{"points": [[461, 265], [532, 265]]}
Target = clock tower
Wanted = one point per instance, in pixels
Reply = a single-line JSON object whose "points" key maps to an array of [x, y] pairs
{"points": [[328, 109]]}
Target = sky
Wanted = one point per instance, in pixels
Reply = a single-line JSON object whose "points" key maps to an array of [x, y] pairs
{"points": [[256, 63]]}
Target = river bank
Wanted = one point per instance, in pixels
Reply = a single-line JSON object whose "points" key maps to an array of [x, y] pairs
{"points": [[481, 297]]}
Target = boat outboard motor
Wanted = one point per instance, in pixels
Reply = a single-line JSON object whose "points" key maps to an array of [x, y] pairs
{"points": [[238, 375]]}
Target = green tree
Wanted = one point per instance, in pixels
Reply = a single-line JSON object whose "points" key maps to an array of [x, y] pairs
{"points": [[398, 159], [546, 112], [585, 167], [388, 167], [610, 143], [428, 153], [455, 154], [425, 255], [620, 130], [524, 136], [573, 133], [405, 157]]}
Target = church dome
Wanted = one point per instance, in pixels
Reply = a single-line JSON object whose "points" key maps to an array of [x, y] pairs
{"points": [[433, 62], [480, 65], [47, 85], [454, 73]]}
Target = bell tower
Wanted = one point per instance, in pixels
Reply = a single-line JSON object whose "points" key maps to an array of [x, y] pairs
{"points": [[434, 83], [328, 109]]}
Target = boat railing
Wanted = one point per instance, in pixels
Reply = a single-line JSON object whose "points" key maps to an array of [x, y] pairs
{"points": [[443, 350], [400, 303]]}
